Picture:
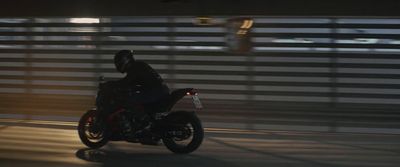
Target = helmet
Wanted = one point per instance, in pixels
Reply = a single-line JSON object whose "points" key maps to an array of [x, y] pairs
{"points": [[123, 59]]}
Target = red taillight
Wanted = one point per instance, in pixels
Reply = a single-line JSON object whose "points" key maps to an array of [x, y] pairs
{"points": [[192, 92]]}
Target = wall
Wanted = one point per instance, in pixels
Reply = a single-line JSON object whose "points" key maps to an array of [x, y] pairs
{"points": [[319, 70]]}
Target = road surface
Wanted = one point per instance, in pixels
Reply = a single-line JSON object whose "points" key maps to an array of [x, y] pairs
{"points": [[57, 144]]}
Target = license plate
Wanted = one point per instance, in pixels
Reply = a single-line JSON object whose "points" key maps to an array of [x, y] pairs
{"points": [[197, 102]]}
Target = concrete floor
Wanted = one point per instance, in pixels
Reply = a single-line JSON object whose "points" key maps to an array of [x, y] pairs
{"points": [[47, 145]]}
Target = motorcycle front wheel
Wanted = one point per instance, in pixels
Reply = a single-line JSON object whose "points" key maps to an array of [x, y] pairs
{"points": [[90, 137], [186, 135]]}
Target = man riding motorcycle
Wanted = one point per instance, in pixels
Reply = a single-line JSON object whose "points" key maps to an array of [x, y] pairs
{"points": [[141, 85]]}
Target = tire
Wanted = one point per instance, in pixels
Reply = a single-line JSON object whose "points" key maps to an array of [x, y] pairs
{"points": [[83, 130], [197, 139]]}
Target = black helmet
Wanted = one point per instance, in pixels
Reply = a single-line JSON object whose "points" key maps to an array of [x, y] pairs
{"points": [[123, 60]]}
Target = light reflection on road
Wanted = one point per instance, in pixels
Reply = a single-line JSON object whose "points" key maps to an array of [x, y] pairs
{"points": [[41, 146]]}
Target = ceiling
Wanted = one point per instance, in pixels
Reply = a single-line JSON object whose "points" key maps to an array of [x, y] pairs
{"points": [[23, 8]]}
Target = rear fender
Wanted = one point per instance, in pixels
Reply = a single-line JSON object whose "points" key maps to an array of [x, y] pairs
{"points": [[178, 95]]}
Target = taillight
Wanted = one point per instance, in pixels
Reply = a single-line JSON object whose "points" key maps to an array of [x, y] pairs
{"points": [[192, 92]]}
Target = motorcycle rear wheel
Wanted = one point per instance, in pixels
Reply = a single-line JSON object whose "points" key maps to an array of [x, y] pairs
{"points": [[189, 123]]}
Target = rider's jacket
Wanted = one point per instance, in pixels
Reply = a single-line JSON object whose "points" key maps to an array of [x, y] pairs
{"points": [[140, 73]]}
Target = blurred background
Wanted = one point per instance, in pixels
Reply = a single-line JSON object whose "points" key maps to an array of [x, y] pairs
{"points": [[297, 70], [283, 82], [331, 63]]}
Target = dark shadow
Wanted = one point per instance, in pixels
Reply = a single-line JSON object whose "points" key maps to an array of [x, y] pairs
{"points": [[304, 162], [118, 158], [330, 142], [359, 147]]}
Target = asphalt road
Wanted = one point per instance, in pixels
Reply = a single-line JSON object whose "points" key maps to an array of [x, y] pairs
{"points": [[29, 144]]}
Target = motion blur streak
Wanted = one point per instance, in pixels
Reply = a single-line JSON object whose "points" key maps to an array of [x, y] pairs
{"points": [[298, 71], [35, 145]]}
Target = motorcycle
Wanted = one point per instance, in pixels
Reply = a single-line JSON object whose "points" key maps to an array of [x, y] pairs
{"points": [[180, 131]]}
